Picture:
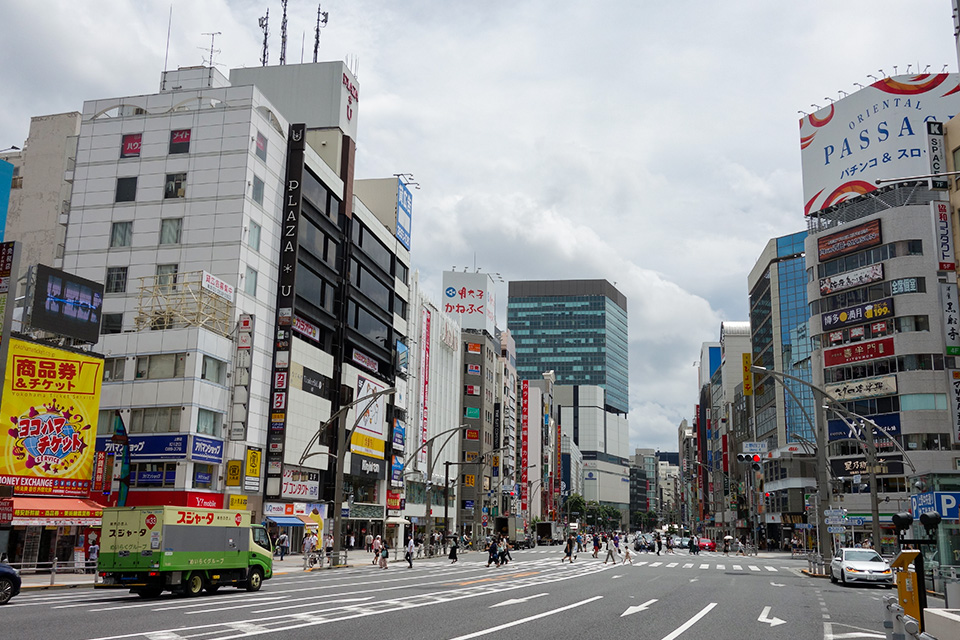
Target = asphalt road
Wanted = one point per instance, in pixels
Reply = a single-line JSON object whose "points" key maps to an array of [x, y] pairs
{"points": [[660, 598]]}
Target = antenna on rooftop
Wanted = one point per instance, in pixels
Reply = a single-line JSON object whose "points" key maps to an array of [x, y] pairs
{"points": [[213, 51], [264, 23], [322, 17], [283, 34]]}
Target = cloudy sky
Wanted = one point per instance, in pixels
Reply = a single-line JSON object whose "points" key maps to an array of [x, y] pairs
{"points": [[653, 144]]}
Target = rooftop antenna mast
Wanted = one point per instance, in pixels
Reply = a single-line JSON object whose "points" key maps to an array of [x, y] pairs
{"points": [[265, 25], [283, 34], [213, 51], [322, 17], [956, 28]]}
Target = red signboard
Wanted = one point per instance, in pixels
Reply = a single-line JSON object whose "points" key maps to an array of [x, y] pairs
{"points": [[193, 499], [99, 465], [858, 351], [131, 145], [393, 499], [524, 432], [473, 434], [6, 511]]}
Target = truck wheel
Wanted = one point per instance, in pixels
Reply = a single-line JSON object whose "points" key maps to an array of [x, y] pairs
{"points": [[255, 581], [194, 585]]}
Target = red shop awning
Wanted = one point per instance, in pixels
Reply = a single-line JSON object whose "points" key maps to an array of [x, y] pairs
{"points": [[46, 512]]}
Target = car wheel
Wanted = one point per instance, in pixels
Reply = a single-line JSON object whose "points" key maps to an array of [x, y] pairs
{"points": [[255, 581], [833, 577], [194, 585], [843, 577], [6, 591]]}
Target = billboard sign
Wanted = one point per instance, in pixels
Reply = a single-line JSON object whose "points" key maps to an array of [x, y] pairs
{"points": [[66, 304], [161, 447], [849, 240], [50, 405], [370, 435], [858, 351], [954, 381], [863, 388], [936, 155], [404, 213], [951, 318], [524, 443], [889, 423], [423, 398], [877, 132], [943, 235], [470, 297], [859, 314], [851, 279]]}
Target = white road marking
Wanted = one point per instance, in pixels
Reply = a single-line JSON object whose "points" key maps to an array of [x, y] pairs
{"points": [[640, 564], [754, 568], [672, 565], [507, 625], [638, 608], [253, 602], [769, 568], [689, 565], [517, 600], [722, 567], [656, 564], [303, 604], [771, 621], [737, 567], [615, 577], [689, 623], [704, 566], [163, 635]]}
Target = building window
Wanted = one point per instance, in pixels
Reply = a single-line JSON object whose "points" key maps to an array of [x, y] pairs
{"points": [[213, 370], [257, 189], [161, 365], [130, 146], [180, 141], [261, 146], [112, 323], [167, 277], [170, 229], [116, 280], [154, 420], [203, 476], [113, 369], [250, 282], [253, 239], [176, 185], [208, 422], [153, 474], [121, 234], [105, 422], [126, 189]]}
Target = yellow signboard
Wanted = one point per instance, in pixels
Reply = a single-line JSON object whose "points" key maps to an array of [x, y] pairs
{"points": [[238, 503], [51, 398], [234, 473], [367, 445], [747, 374], [469, 480], [254, 460]]}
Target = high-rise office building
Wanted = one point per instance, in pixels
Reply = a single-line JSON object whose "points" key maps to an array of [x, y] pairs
{"points": [[578, 329]]}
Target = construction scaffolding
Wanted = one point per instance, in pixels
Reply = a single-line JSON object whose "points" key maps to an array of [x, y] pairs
{"points": [[177, 300]]}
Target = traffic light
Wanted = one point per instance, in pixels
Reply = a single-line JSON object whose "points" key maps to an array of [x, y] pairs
{"points": [[753, 459], [902, 521]]}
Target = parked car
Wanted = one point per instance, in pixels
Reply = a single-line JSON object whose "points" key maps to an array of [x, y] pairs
{"points": [[860, 565], [9, 583], [706, 544], [684, 543]]}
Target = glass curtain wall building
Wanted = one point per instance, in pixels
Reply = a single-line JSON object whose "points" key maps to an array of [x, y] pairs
{"points": [[577, 328]]}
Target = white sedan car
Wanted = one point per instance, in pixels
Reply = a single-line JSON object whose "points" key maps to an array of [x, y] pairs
{"points": [[860, 565]]}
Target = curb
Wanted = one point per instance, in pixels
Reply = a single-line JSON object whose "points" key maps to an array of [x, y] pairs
{"points": [[810, 574]]}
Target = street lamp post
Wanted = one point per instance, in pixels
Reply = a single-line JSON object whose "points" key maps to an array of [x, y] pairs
{"points": [[446, 465]]}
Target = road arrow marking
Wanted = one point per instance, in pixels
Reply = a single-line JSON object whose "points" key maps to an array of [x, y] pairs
{"points": [[777, 584], [517, 600], [637, 608], [771, 621], [614, 577]]}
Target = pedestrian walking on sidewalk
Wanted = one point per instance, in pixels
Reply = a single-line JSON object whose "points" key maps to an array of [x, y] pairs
{"points": [[611, 551], [283, 544], [453, 550], [377, 546], [409, 554]]}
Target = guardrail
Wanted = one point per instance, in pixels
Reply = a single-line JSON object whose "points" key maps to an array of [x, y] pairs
{"points": [[816, 564], [56, 566]]}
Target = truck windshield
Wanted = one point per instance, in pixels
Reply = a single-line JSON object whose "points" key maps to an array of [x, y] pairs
{"points": [[261, 538]]}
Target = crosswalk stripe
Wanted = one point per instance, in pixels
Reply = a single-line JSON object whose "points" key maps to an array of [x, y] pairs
{"points": [[704, 566], [737, 567], [689, 565], [754, 568], [656, 564], [769, 568], [722, 567], [672, 565]]}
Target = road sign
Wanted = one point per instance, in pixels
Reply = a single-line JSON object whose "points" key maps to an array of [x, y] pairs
{"points": [[483, 521], [755, 447], [854, 522], [835, 521], [835, 529], [835, 512], [804, 525]]}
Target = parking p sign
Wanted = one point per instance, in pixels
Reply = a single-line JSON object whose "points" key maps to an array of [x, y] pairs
{"points": [[946, 503]]}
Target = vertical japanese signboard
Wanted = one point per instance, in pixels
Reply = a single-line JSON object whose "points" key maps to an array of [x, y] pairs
{"points": [[524, 433], [943, 236], [51, 399], [286, 294], [423, 400], [955, 403], [951, 318]]}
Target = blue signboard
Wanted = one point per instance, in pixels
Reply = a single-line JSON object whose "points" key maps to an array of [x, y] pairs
{"points": [[468, 505], [887, 422], [158, 478], [404, 213], [168, 447], [396, 469], [207, 449], [399, 435], [202, 478], [6, 179], [946, 503]]}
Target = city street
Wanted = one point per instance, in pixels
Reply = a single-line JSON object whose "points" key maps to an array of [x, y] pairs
{"points": [[659, 597]]}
